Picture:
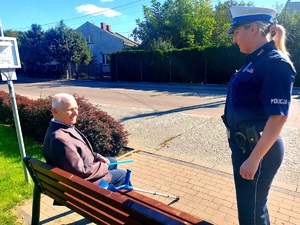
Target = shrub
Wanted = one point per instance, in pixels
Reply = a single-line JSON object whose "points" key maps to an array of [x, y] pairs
{"points": [[35, 117], [107, 136], [5, 108]]}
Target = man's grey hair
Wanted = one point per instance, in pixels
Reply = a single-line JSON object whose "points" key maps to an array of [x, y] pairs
{"points": [[60, 98]]}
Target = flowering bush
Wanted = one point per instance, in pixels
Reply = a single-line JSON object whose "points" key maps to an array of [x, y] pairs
{"points": [[107, 136]]}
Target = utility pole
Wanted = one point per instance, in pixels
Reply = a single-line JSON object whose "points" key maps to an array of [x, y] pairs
{"points": [[9, 61]]}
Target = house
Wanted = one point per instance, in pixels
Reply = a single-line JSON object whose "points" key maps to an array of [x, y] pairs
{"points": [[102, 42], [292, 6]]}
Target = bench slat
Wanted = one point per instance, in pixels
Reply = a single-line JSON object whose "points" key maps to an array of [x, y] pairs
{"points": [[103, 211], [100, 205], [59, 191], [108, 197], [111, 218], [151, 203]]}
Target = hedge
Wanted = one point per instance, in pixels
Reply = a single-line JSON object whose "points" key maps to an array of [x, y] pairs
{"points": [[214, 65], [107, 136]]}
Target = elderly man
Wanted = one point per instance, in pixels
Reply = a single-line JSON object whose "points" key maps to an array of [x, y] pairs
{"points": [[67, 148]]}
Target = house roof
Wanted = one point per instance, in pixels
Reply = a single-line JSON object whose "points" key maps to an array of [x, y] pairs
{"points": [[126, 40], [107, 28], [292, 6]]}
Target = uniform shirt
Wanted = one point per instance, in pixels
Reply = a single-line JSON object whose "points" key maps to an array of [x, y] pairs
{"points": [[260, 89]]}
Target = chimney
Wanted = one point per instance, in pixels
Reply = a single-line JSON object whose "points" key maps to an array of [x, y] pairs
{"points": [[103, 26], [108, 28]]}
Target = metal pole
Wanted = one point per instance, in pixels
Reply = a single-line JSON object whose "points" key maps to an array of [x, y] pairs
{"points": [[17, 124], [128, 187], [9, 74], [117, 78], [155, 193], [2, 34], [170, 63], [205, 71], [141, 71]]}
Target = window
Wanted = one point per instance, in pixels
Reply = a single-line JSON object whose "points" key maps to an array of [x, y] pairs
{"points": [[105, 59], [89, 39]]}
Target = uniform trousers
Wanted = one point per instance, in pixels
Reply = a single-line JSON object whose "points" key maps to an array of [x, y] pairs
{"points": [[252, 195]]}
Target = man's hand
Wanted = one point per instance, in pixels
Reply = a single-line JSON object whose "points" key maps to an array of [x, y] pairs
{"points": [[104, 160]]}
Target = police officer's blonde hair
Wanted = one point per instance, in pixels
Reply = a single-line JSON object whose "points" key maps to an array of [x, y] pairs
{"points": [[275, 32]]}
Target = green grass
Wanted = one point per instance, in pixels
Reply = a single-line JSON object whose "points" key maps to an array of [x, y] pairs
{"points": [[13, 186]]}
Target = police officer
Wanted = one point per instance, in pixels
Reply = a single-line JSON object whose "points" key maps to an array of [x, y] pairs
{"points": [[257, 106]]}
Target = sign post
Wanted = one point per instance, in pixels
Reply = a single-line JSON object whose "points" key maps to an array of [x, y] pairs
{"points": [[9, 61]]}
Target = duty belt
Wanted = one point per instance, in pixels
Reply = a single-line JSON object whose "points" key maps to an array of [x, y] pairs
{"points": [[245, 140], [239, 138], [236, 135]]}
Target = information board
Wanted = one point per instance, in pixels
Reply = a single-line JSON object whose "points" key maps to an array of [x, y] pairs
{"points": [[9, 54]]}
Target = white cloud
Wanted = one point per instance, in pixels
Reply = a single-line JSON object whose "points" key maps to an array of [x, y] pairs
{"points": [[89, 9]]}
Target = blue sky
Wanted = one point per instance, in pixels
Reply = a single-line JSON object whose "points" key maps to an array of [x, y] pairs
{"points": [[119, 14]]}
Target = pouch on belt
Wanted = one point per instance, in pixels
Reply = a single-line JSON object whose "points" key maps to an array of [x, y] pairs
{"points": [[252, 136]]}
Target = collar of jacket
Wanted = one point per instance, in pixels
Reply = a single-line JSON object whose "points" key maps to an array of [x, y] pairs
{"points": [[261, 52]]}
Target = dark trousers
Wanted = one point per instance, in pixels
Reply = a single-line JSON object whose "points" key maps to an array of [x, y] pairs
{"points": [[118, 176], [252, 195]]}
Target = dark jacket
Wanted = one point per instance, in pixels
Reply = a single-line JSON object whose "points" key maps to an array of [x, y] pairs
{"points": [[65, 148]]}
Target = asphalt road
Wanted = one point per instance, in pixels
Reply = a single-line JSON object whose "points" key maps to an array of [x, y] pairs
{"points": [[180, 119]]}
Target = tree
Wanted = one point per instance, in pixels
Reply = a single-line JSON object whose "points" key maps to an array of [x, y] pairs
{"points": [[180, 18], [33, 51], [12, 33], [67, 45], [180, 23], [291, 22], [185, 23], [155, 28], [223, 20], [204, 23]]}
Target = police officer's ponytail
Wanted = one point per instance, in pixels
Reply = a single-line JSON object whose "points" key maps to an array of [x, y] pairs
{"points": [[277, 33]]}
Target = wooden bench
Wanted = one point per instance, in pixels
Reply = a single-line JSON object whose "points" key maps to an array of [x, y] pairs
{"points": [[97, 204]]}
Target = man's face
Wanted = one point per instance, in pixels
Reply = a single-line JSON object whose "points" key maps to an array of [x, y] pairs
{"points": [[67, 112]]}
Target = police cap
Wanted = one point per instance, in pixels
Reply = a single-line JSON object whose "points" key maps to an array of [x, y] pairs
{"points": [[248, 14]]}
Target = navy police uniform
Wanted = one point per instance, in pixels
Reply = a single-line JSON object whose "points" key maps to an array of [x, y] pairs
{"points": [[260, 89]]}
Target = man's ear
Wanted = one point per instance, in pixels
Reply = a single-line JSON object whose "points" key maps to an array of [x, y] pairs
{"points": [[54, 111]]}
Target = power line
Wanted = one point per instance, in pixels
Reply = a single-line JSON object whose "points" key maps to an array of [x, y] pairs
{"points": [[127, 5], [96, 19]]}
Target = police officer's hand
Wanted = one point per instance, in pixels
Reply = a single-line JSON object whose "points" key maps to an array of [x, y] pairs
{"points": [[248, 169]]}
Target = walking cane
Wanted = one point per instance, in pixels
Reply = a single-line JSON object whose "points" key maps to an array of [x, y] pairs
{"points": [[128, 187], [156, 193]]}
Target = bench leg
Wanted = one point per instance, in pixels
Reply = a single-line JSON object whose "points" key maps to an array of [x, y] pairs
{"points": [[36, 204]]}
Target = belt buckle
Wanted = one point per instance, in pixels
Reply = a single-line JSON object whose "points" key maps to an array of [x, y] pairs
{"points": [[228, 134]]}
